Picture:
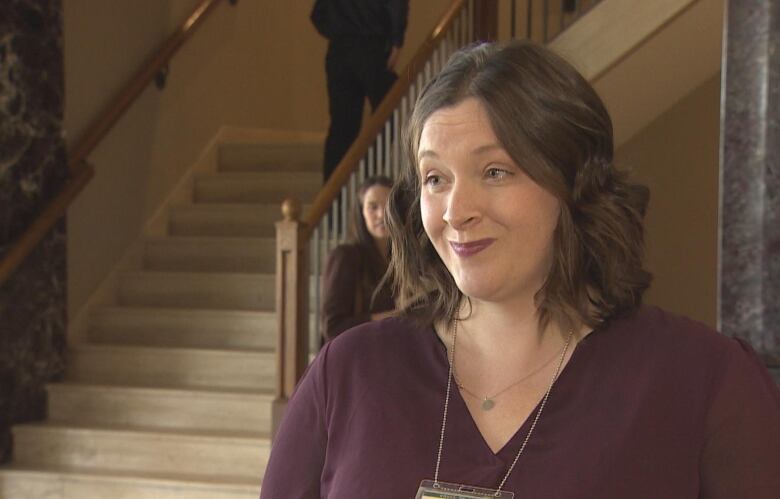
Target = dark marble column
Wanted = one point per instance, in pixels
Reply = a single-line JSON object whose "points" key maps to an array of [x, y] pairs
{"points": [[749, 295], [32, 169]]}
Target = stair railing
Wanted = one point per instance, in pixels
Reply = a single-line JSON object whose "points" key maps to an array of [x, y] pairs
{"points": [[79, 171], [305, 244]]}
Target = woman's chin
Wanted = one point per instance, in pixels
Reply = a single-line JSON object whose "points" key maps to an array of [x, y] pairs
{"points": [[380, 234], [479, 289]]}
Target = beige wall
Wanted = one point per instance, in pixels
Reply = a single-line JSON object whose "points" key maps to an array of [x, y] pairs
{"points": [[676, 156], [259, 64]]}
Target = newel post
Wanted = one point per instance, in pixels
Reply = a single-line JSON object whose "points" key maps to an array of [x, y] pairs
{"points": [[292, 306]]}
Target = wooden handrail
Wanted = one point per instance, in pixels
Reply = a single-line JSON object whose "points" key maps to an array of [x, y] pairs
{"points": [[360, 146], [106, 120], [80, 171], [55, 209]]}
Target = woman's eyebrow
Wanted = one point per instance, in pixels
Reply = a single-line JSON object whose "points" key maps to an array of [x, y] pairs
{"points": [[483, 149], [426, 153], [486, 149]]}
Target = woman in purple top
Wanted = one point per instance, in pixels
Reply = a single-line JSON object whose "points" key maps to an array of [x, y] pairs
{"points": [[523, 363]]}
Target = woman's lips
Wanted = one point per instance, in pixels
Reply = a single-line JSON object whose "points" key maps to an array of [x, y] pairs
{"points": [[470, 248]]}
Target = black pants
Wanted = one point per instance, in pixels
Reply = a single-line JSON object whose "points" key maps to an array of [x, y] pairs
{"points": [[356, 69]]}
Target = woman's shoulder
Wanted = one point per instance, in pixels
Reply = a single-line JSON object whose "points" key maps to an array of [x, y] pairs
{"points": [[345, 251], [352, 254], [381, 338], [680, 347], [670, 330]]}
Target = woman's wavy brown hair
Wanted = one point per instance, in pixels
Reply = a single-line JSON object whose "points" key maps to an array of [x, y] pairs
{"points": [[555, 127]]}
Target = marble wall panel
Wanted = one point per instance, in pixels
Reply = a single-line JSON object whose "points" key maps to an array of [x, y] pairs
{"points": [[32, 168], [749, 295]]}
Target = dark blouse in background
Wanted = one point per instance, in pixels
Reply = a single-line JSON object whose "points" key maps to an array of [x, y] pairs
{"points": [[649, 407], [352, 273]]}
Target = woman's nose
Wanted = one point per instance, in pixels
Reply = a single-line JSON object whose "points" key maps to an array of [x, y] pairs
{"points": [[463, 206]]}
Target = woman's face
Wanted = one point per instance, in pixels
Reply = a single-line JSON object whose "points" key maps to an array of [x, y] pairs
{"points": [[374, 202], [490, 223]]}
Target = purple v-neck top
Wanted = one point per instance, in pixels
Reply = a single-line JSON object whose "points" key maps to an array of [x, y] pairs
{"points": [[653, 406]]}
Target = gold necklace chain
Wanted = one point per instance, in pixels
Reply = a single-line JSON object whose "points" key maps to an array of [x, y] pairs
{"points": [[533, 423], [489, 402]]}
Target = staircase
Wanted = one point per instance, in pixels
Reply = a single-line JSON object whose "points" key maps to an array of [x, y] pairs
{"points": [[170, 396]]}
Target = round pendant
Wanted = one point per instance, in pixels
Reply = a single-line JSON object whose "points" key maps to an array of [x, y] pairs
{"points": [[487, 404]]}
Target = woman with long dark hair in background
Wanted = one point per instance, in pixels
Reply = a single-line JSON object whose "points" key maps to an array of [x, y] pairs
{"points": [[354, 270]]}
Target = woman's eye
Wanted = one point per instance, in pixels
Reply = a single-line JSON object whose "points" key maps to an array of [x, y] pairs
{"points": [[496, 173], [432, 180]]}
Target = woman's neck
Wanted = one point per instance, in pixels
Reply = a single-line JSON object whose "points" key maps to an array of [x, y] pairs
{"points": [[507, 330], [383, 246]]}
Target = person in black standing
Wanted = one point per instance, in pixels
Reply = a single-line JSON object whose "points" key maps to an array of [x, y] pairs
{"points": [[365, 38]]}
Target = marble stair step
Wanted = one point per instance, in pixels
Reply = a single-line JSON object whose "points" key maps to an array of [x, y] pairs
{"points": [[124, 449], [182, 327], [68, 482], [171, 367], [245, 187], [211, 254], [229, 291], [227, 220], [159, 408], [259, 157]]}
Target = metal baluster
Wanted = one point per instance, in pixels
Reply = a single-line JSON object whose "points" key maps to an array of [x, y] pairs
{"points": [[333, 228], [379, 155], [455, 31], [371, 161], [470, 23], [317, 283], [362, 171], [462, 36], [388, 138], [343, 214], [512, 19], [397, 137], [353, 189]]}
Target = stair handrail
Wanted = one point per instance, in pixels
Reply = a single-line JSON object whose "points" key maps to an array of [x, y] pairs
{"points": [[79, 171]]}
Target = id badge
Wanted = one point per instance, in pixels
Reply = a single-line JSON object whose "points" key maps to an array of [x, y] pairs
{"points": [[441, 490]]}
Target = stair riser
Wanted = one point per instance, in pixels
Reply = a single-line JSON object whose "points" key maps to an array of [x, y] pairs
{"points": [[236, 292], [173, 368], [24, 485], [179, 330], [199, 411], [226, 220], [264, 157], [217, 330], [250, 292], [125, 451], [258, 257], [189, 221], [215, 189]]}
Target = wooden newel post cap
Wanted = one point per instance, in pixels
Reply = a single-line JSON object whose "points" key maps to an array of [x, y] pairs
{"points": [[291, 210]]}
